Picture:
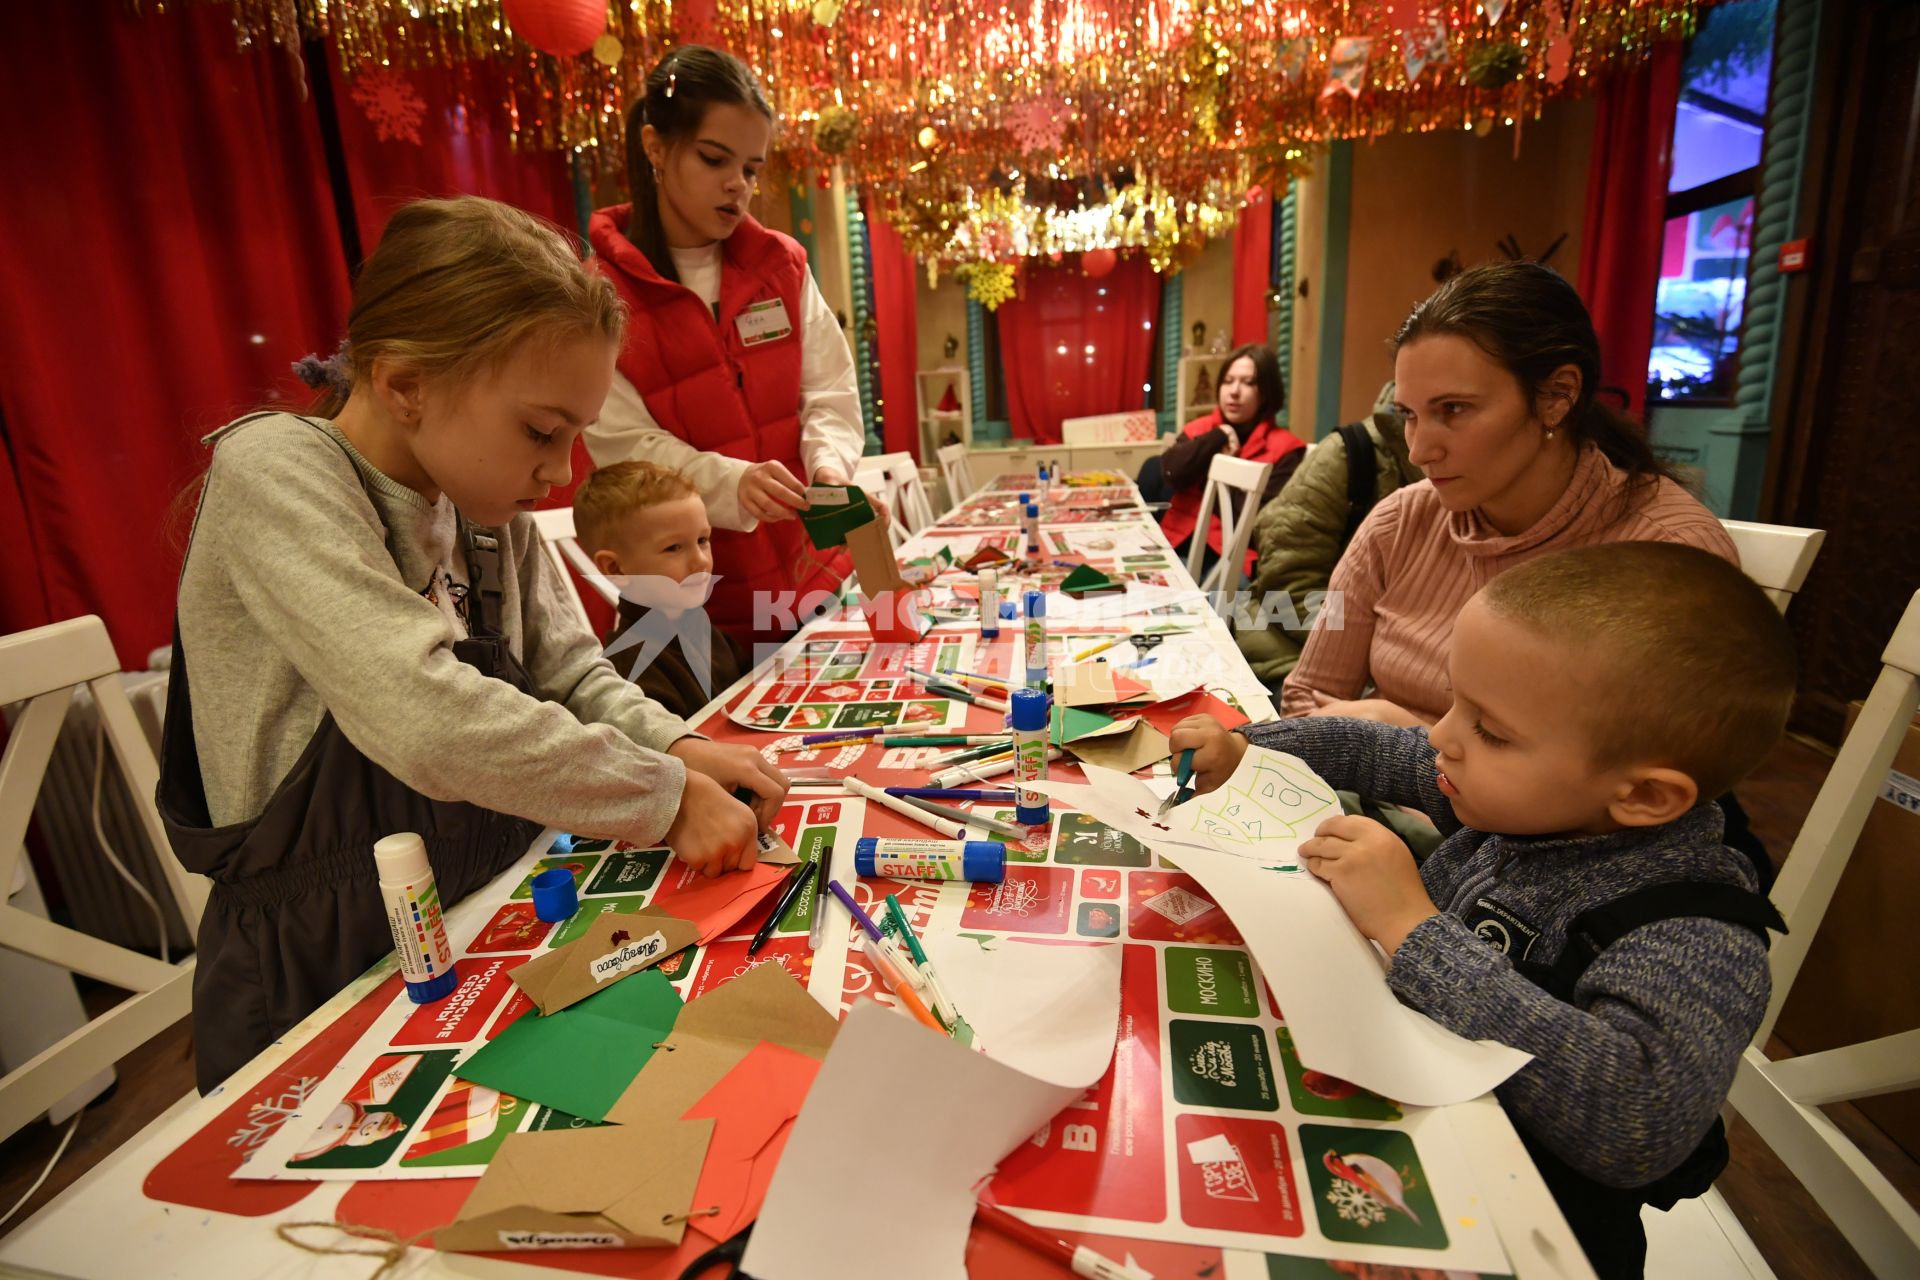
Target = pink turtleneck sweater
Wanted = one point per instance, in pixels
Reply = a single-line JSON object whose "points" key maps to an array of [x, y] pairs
{"points": [[1413, 564]]}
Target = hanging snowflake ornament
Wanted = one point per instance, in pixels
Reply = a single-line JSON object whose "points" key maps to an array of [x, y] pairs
{"points": [[390, 103], [1038, 124], [989, 283]]}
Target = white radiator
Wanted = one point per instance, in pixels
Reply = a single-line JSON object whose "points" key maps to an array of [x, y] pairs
{"points": [[98, 900]]}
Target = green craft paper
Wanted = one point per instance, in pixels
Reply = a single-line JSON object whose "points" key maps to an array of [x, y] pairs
{"points": [[1075, 722], [581, 1059], [1086, 578], [827, 525]]}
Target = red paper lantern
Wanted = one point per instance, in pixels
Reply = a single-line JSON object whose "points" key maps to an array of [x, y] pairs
{"points": [[1095, 263], [560, 27]]}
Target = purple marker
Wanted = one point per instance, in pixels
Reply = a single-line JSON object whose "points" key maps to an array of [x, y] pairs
{"points": [[864, 920], [813, 739]]}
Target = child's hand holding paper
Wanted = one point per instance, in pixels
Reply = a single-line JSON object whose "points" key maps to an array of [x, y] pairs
{"points": [[1372, 872]]}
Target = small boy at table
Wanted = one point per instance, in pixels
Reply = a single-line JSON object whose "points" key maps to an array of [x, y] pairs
{"points": [[646, 529], [1582, 906]]}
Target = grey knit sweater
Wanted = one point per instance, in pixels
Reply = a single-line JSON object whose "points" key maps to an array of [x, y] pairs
{"points": [[1627, 1079]]}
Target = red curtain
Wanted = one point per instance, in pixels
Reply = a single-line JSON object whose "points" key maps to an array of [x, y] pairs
{"points": [[407, 134], [1252, 267], [1071, 345], [1626, 215], [167, 248], [895, 314]]}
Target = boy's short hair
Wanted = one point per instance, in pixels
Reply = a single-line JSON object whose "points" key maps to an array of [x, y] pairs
{"points": [[612, 493], [1703, 661]]}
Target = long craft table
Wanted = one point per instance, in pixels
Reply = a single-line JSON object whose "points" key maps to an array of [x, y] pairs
{"points": [[165, 1205]]}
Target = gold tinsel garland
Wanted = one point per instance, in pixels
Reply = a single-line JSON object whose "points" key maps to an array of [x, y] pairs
{"points": [[1000, 131]]}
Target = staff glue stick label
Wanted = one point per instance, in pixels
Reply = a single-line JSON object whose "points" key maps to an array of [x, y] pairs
{"points": [[989, 604], [412, 903], [1031, 711], [1036, 611]]}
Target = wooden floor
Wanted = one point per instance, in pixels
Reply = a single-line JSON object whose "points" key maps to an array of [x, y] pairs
{"points": [[1790, 1232]]}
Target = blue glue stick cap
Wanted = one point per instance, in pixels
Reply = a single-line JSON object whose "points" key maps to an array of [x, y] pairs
{"points": [[1036, 604], [1025, 498], [434, 988], [1033, 509], [1007, 612], [1029, 710], [554, 894]]}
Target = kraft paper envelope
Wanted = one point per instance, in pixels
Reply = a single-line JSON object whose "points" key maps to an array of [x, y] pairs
{"points": [[888, 614], [1141, 745], [606, 1188], [617, 944], [1096, 684], [716, 1031]]}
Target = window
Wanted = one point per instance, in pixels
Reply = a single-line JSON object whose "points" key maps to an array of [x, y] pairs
{"points": [[1718, 130]]}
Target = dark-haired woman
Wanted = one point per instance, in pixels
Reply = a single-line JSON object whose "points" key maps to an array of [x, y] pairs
{"points": [[735, 372], [1240, 426], [1495, 375]]}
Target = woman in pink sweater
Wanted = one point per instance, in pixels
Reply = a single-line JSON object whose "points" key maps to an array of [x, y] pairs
{"points": [[1495, 374]]}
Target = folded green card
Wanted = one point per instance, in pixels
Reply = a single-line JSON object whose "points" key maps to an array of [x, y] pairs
{"points": [[827, 522], [581, 1059]]}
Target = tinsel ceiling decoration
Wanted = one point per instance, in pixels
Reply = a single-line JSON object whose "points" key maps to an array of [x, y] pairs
{"points": [[994, 132]]}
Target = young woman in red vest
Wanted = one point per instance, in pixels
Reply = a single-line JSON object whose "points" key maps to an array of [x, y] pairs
{"points": [[735, 373], [1241, 426]]}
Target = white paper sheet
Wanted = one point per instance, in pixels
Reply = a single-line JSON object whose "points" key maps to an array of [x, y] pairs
{"points": [[837, 1172], [1327, 978]]}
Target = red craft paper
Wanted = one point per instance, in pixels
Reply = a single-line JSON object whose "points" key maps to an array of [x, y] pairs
{"points": [[1164, 715], [718, 904], [752, 1108]]}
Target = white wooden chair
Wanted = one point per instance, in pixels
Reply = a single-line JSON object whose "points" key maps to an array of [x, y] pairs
{"points": [[878, 478], [956, 472], [1782, 1100], [563, 548], [42, 668], [908, 497], [1776, 556], [1227, 478]]}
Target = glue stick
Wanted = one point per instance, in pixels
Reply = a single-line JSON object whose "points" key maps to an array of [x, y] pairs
{"points": [[1031, 710], [1033, 529], [412, 903], [1036, 611], [931, 859], [989, 605]]}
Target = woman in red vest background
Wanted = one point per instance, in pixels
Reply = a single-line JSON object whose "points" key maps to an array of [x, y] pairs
{"points": [[735, 372], [1241, 426]]}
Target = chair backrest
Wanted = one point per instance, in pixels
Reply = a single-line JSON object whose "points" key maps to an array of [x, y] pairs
{"points": [[958, 475], [1782, 1099], [42, 668], [878, 477], [1234, 486], [562, 546], [909, 494], [1776, 556]]}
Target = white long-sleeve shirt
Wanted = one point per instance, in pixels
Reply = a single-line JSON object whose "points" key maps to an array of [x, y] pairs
{"points": [[831, 434]]}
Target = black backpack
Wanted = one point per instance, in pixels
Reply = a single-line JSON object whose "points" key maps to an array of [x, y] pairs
{"points": [[1604, 1217], [1363, 478]]}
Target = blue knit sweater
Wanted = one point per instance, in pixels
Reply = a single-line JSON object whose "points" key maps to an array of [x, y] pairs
{"points": [[1627, 1079]]}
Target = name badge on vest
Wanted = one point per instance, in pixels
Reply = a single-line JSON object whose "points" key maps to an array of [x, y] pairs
{"points": [[763, 322], [1501, 929]]}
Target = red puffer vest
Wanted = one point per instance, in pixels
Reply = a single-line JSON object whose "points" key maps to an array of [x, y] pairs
{"points": [[1266, 443], [706, 384]]}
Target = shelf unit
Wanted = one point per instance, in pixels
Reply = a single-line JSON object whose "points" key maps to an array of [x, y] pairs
{"points": [[935, 423]]}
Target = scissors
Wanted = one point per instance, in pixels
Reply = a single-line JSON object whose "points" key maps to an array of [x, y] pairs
{"points": [[725, 1255], [1184, 778]]}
